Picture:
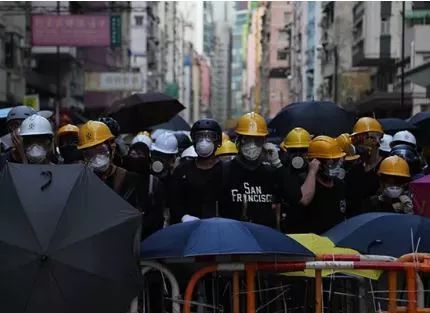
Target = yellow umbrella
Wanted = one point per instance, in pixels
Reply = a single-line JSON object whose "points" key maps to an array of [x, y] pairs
{"points": [[322, 245]]}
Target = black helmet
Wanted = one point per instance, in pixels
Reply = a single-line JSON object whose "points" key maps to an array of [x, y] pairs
{"points": [[410, 155], [112, 124], [20, 113], [207, 124]]}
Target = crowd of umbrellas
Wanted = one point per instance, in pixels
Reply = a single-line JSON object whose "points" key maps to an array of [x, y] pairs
{"points": [[68, 243]]}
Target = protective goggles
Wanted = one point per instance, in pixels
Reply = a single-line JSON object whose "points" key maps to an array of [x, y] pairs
{"points": [[205, 134], [258, 141], [93, 151], [367, 139]]}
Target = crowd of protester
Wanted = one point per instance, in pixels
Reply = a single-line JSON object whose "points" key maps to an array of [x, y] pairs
{"points": [[306, 184]]}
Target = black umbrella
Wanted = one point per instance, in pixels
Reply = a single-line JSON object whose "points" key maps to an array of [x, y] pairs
{"points": [[421, 121], [140, 111], [393, 125], [174, 124], [318, 118], [67, 242]]}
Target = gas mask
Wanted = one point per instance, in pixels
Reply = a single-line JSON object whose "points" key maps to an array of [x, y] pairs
{"points": [[36, 153], [226, 158], [204, 147], [393, 192], [251, 148], [331, 168], [99, 163], [297, 158], [366, 143]]}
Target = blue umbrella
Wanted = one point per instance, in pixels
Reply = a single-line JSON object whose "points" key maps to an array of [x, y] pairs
{"points": [[219, 236], [383, 233]]}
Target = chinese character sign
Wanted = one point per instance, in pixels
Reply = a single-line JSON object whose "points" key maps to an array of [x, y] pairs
{"points": [[113, 81], [71, 30]]}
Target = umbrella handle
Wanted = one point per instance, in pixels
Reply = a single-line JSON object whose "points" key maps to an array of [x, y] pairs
{"points": [[47, 174]]}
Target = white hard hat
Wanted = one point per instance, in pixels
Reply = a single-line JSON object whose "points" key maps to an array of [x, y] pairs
{"points": [[404, 136], [157, 133], [142, 138], [190, 152], [385, 143], [166, 143], [36, 125]]}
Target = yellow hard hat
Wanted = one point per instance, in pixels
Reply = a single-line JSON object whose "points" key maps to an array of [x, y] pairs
{"points": [[252, 124], [367, 124], [227, 147], [344, 142], [93, 133], [225, 137], [394, 166], [68, 129], [324, 147], [296, 138]]}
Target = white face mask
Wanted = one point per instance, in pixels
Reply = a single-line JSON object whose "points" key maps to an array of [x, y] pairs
{"points": [[204, 148], [393, 192], [251, 151], [99, 163], [36, 153]]}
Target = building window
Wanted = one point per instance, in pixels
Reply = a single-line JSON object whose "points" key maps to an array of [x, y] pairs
{"points": [[286, 17], [283, 36], [138, 20], [385, 27], [282, 55]]}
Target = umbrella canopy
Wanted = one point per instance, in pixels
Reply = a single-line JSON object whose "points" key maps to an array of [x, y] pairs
{"points": [[175, 124], [140, 111], [63, 246], [218, 236], [420, 189], [383, 233], [421, 121], [393, 125], [314, 116], [320, 245]]}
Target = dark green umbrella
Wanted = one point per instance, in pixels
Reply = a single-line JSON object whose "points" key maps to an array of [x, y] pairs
{"points": [[67, 242]]}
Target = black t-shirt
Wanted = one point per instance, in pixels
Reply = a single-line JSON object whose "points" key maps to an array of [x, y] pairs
{"points": [[293, 217], [360, 186], [130, 189], [327, 208], [195, 191], [248, 194]]}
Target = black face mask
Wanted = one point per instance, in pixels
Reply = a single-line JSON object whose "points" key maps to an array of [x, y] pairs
{"points": [[137, 165], [70, 154]]}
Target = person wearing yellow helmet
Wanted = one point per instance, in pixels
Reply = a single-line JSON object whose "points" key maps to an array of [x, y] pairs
{"points": [[227, 151], [255, 179], [366, 138], [295, 147], [67, 141], [393, 195], [98, 150], [328, 206]]}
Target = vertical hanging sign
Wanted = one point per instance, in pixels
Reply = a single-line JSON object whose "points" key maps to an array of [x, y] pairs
{"points": [[115, 30]]}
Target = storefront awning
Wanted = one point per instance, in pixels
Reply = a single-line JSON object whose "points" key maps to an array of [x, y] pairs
{"points": [[419, 75]]}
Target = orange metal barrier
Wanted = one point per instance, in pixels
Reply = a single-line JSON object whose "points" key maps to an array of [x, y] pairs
{"points": [[423, 265]]}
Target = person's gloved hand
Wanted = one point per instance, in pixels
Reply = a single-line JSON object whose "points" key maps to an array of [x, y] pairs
{"points": [[272, 154], [188, 218]]}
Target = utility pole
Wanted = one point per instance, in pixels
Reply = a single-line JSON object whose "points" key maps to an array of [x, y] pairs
{"points": [[57, 104], [402, 99]]}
